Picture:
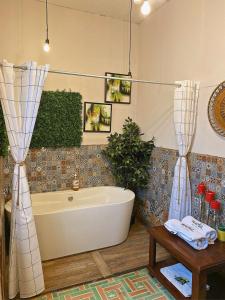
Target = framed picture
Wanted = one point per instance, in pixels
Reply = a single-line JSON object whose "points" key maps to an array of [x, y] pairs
{"points": [[117, 91], [97, 117]]}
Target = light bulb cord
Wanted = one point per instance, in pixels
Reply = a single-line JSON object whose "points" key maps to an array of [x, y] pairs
{"points": [[46, 19], [130, 37]]}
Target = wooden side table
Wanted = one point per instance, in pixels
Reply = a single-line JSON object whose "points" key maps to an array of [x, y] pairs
{"points": [[200, 263]]}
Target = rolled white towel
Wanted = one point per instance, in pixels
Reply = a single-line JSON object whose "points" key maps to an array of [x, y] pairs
{"points": [[189, 233], [202, 228], [175, 227], [196, 244]]}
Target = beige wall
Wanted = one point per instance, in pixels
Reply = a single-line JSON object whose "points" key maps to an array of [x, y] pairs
{"points": [[182, 40], [80, 42]]}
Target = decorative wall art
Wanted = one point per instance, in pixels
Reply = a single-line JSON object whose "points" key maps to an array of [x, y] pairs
{"points": [[117, 91], [97, 117], [216, 109]]}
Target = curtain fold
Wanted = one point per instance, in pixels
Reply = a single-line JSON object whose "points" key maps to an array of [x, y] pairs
{"points": [[185, 113], [20, 94]]}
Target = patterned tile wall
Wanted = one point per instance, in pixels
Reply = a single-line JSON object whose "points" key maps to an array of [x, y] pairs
{"points": [[53, 169], [154, 201]]}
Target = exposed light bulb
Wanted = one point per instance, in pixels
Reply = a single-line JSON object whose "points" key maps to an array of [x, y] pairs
{"points": [[137, 1], [46, 46], [145, 8]]}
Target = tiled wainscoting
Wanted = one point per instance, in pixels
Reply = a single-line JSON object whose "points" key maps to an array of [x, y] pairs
{"points": [[53, 169], [154, 201]]}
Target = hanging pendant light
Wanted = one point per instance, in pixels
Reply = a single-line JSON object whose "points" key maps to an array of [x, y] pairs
{"points": [[46, 46], [137, 1], [130, 38], [146, 8]]}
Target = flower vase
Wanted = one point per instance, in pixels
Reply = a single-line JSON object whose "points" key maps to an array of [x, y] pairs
{"points": [[202, 208]]}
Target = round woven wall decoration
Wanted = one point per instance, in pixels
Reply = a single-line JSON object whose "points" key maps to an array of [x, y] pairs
{"points": [[216, 109]]}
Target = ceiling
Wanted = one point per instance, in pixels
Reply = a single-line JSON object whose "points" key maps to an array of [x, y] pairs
{"points": [[118, 9]]}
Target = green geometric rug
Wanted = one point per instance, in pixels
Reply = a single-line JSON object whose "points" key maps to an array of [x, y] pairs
{"points": [[137, 285]]}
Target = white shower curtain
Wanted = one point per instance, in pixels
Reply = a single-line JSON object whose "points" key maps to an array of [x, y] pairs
{"points": [[20, 94], [185, 112]]}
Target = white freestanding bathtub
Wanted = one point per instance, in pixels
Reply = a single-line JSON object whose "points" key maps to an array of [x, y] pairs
{"points": [[70, 222]]}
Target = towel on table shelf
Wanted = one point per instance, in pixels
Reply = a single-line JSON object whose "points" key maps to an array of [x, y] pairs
{"points": [[204, 229], [200, 244], [187, 233], [180, 277]]}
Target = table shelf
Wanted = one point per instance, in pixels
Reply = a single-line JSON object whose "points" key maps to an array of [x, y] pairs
{"points": [[155, 272], [200, 263]]}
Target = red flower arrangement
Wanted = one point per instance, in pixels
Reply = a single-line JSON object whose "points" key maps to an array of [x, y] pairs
{"points": [[210, 196], [201, 188]]}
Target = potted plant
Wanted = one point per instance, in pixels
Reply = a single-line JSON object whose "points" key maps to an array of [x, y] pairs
{"points": [[129, 157]]}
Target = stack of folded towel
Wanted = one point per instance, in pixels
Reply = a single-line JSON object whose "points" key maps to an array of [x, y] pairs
{"points": [[196, 234]]}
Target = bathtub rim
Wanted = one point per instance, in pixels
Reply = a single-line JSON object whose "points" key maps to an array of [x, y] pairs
{"points": [[8, 208]]}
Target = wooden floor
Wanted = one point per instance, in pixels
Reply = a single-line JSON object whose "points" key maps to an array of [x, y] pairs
{"points": [[95, 265], [132, 254]]}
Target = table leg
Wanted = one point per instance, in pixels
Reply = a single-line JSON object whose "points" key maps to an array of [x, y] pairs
{"points": [[199, 281], [152, 252]]}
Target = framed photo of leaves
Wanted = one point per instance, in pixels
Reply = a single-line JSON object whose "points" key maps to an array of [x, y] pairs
{"points": [[97, 117], [118, 91]]}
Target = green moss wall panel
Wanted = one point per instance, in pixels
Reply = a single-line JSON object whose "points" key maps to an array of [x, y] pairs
{"points": [[58, 124]]}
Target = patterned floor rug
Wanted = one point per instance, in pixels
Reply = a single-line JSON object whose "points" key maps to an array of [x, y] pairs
{"points": [[136, 285]]}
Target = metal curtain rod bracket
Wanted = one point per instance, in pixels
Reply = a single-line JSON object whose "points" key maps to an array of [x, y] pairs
{"points": [[102, 76]]}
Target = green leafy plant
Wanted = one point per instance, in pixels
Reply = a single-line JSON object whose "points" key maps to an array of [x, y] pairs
{"points": [[129, 156]]}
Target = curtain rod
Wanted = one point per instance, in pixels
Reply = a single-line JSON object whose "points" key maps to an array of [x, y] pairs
{"points": [[102, 76]]}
